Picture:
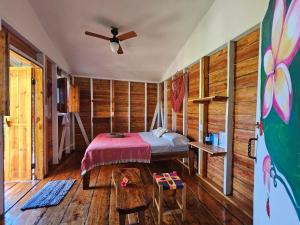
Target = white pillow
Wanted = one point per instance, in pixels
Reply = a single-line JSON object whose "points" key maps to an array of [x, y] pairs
{"points": [[159, 132], [176, 139]]}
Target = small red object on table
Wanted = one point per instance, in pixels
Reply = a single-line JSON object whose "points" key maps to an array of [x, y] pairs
{"points": [[124, 182], [131, 199]]}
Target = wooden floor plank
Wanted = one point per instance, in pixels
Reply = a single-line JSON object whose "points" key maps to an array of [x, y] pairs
{"points": [[16, 216], [60, 210], [101, 199], [16, 192], [113, 215], [9, 185], [77, 211], [98, 204]]}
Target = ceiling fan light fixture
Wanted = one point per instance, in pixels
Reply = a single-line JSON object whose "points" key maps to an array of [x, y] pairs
{"points": [[114, 46]]}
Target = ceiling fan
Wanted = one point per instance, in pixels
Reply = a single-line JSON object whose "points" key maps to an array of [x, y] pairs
{"points": [[115, 40]]}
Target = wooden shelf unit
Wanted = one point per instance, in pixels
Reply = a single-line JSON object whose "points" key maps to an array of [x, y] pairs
{"points": [[207, 100], [210, 149]]}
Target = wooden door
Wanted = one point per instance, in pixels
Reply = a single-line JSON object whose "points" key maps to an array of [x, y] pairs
{"points": [[17, 128]]}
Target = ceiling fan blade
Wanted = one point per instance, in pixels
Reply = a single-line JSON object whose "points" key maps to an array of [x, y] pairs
{"points": [[127, 35], [97, 35], [120, 50]]}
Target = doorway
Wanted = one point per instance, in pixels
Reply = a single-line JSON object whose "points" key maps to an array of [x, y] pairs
{"points": [[23, 128]]}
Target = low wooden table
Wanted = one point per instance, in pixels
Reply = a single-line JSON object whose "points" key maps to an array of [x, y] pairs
{"points": [[130, 199]]}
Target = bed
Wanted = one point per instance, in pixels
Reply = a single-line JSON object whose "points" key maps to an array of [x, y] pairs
{"points": [[142, 147]]}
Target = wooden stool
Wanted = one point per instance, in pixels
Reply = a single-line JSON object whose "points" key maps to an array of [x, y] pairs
{"points": [[168, 181], [130, 199]]}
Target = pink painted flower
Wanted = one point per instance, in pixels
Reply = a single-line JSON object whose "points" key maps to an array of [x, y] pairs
{"points": [[266, 171], [285, 44]]}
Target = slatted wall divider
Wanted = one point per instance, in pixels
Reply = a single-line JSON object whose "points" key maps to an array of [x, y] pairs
{"points": [[137, 106], [151, 102], [101, 106], [246, 76], [121, 106], [227, 186], [85, 111], [217, 79]]}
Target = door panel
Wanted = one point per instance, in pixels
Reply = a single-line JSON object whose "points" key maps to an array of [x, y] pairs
{"points": [[17, 128]]}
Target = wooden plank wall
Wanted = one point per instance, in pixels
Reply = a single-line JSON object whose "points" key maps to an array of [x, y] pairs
{"points": [[169, 104], [120, 119], [137, 107], [193, 109], [246, 72], [179, 115], [101, 105], [217, 110], [85, 111], [151, 103]]}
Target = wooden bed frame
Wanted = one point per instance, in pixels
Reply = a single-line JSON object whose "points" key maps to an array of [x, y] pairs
{"points": [[154, 158]]}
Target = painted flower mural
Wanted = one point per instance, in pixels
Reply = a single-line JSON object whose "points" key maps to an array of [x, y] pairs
{"points": [[284, 46], [280, 97]]}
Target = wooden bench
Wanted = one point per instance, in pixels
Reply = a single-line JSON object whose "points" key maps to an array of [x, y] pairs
{"points": [[130, 199]]}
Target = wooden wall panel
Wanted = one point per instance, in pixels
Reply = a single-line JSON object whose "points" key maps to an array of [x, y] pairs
{"points": [[193, 109], [101, 105], [179, 115], [151, 103], [120, 119], [246, 72], [217, 110], [85, 111], [4, 80], [137, 107], [169, 101]]}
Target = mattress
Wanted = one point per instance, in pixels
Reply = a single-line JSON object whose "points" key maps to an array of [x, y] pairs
{"points": [[161, 145]]}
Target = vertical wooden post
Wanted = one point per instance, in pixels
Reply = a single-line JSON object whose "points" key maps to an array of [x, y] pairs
{"points": [[227, 188], [165, 104], [129, 110], [92, 107], [73, 122], [146, 106], [159, 105], [174, 115], [54, 114], [185, 107], [204, 92], [111, 105]]}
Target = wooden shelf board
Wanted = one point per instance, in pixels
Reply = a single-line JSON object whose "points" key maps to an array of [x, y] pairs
{"points": [[210, 149], [210, 99]]}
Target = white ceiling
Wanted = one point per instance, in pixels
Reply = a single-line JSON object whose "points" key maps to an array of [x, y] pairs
{"points": [[163, 26]]}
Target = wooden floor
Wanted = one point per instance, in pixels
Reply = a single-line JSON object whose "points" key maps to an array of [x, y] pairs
{"points": [[97, 205]]}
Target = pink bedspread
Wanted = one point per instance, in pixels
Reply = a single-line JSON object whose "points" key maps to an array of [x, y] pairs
{"points": [[105, 150]]}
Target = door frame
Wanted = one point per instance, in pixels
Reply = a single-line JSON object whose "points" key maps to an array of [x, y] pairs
{"points": [[39, 167]]}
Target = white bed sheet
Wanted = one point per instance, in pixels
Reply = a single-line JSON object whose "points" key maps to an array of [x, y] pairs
{"points": [[160, 145]]}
